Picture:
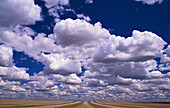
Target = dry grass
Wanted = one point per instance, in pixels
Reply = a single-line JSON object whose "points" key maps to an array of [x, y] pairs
{"points": [[135, 104], [72, 104], [29, 103]]}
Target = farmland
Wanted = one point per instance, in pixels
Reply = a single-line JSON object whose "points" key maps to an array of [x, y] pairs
{"points": [[78, 104]]}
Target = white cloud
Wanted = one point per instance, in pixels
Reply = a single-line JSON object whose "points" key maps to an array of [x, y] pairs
{"points": [[87, 18], [116, 65], [118, 89], [70, 79], [57, 64], [6, 55], [164, 87], [89, 1], [2, 83], [41, 43], [40, 82], [56, 7], [112, 72], [78, 32], [14, 88], [120, 81], [164, 67], [156, 81], [14, 12], [7, 69], [14, 73], [142, 87], [141, 46], [155, 74], [165, 58], [168, 51], [15, 39], [150, 2], [20, 38], [94, 82], [51, 3]]}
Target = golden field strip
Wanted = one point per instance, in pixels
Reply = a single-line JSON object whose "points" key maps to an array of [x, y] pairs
{"points": [[78, 104], [120, 104], [33, 104]]}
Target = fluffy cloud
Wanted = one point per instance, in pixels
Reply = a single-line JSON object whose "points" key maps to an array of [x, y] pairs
{"points": [[141, 46], [14, 12], [70, 79], [7, 69], [57, 64], [89, 1], [115, 65], [6, 56], [15, 39], [117, 68], [110, 71], [81, 16], [167, 51], [14, 73], [78, 32], [39, 82], [11, 86], [57, 7], [164, 67], [51, 3], [94, 82], [20, 38], [2, 83], [165, 58], [150, 2]]}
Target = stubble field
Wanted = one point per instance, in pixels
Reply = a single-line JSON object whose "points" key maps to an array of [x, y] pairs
{"points": [[78, 104]]}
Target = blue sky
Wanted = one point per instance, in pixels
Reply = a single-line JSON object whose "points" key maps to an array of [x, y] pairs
{"points": [[85, 50]]}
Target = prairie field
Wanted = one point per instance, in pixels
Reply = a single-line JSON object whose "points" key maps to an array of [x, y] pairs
{"points": [[31, 103], [79, 104]]}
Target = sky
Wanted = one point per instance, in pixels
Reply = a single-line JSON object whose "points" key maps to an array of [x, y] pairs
{"points": [[85, 50]]}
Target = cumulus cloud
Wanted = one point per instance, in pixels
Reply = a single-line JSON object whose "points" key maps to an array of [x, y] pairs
{"points": [[118, 89], [164, 67], [110, 71], [57, 7], [78, 32], [14, 12], [70, 79], [150, 2], [105, 67], [167, 51], [89, 1], [14, 73], [94, 82], [11, 88], [141, 46], [51, 3], [165, 58], [2, 83], [40, 82], [115, 65], [117, 68], [20, 38], [57, 64], [7, 69], [6, 56], [81, 16]]}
